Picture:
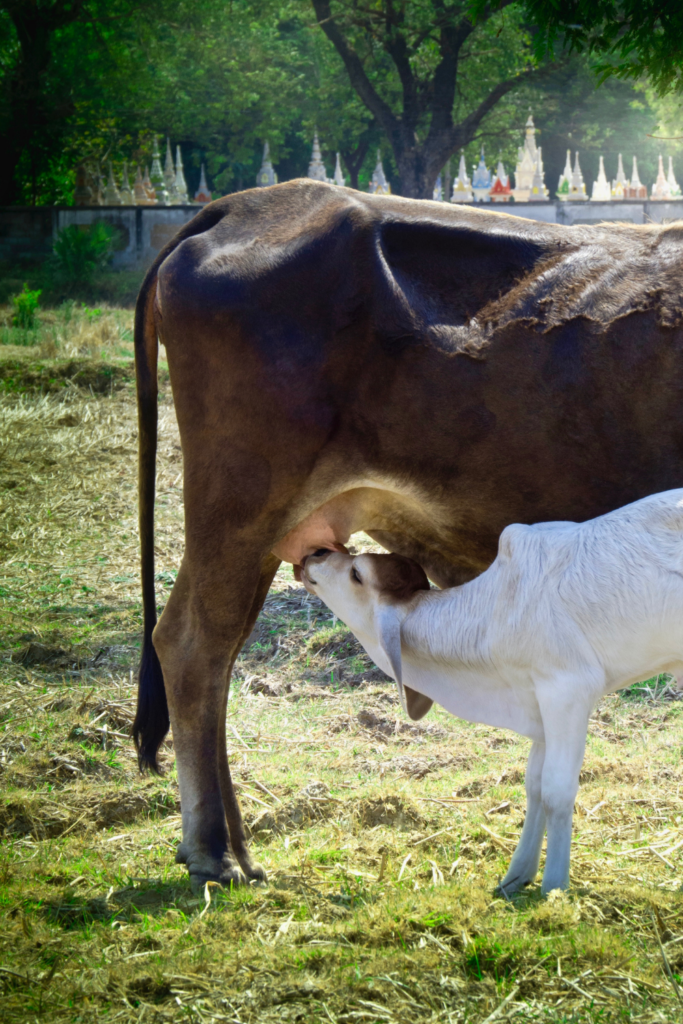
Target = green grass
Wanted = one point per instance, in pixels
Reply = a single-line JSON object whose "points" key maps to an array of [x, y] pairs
{"points": [[383, 839]]}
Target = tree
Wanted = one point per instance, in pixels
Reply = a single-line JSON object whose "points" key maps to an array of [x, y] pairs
{"points": [[427, 73], [629, 38]]}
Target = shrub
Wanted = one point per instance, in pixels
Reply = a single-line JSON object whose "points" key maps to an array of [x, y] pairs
{"points": [[25, 306], [78, 254]]}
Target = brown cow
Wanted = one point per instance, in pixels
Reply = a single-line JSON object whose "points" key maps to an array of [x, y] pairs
{"points": [[424, 372]]}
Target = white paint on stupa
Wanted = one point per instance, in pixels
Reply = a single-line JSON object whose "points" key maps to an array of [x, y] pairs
{"points": [[379, 185], [112, 196], [621, 182], [636, 189], [481, 181], [169, 176], [316, 168], [564, 184], [577, 187], [180, 183], [602, 193], [139, 191], [462, 186], [156, 176], [338, 173], [126, 193], [266, 176], [529, 172], [660, 189], [203, 193]]}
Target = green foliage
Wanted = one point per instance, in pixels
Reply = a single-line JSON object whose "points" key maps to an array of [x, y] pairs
{"points": [[25, 306], [627, 38], [78, 253]]}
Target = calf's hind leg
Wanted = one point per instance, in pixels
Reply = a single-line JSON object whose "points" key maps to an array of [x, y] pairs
{"points": [[197, 639], [525, 859]]}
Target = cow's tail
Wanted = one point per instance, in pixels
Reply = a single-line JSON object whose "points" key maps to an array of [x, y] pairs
{"points": [[151, 718]]}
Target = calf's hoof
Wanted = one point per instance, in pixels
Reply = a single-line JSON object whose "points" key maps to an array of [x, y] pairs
{"points": [[203, 868], [508, 887]]}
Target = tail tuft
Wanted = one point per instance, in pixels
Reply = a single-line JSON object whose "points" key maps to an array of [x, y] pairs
{"points": [[151, 718]]}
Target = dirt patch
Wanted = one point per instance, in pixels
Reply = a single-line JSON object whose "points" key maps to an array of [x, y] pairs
{"points": [[313, 803], [42, 818], [392, 811]]}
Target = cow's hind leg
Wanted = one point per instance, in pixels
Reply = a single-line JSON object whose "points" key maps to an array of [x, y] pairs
{"points": [[232, 809], [198, 637]]}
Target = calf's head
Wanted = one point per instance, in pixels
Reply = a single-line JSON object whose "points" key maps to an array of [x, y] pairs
{"points": [[372, 594]]}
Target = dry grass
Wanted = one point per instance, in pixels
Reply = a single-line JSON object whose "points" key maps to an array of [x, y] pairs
{"points": [[383, 839]]}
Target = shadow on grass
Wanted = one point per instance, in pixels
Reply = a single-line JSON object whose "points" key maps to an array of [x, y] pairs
{"points": [[148, 898]]}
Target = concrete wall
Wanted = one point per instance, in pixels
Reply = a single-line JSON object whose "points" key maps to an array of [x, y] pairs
{"points": [[27, 232]]}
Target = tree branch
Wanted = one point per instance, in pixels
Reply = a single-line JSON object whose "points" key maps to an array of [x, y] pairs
{"points": [[358, 78]]}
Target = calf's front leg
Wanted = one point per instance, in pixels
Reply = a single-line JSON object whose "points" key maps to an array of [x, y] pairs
{"points": [[525, 859], [565, 721]]}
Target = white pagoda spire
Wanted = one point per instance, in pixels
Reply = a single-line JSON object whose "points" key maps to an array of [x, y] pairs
{"points": [[139, 190], [112, 196], [660, 189], [266, 176], [564, 183], [338, 173], [621, 182], [462, 186], [602, 193], [156, 176], [203, 193], [577, 188], [180, 183], [316, 168], [169, 175], [126, 193], [636, 189], [378, 183]]}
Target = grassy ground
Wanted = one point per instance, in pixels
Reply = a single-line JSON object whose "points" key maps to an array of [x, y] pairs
{"points": [[383, 840]]}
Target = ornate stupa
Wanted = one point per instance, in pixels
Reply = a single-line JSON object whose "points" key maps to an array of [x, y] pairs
{"points": [[620, 183], [564, 183], [112, 196], [462, 186], [636, 189], [149, 189], [316, 168], [203, 193], [481, 181], [379, 185], [529, 164], [126, 192], [539, 193], [180, 183], [338, 178], [266, 176], [139, 192], [156, 176], [674, 188], [82, 191], [437, 194], [500, 190], [602, 193], [660, 189], [169, 175], [577, 188]]}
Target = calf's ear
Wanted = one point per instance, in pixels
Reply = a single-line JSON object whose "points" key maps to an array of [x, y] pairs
{"points": [[388, 623]]}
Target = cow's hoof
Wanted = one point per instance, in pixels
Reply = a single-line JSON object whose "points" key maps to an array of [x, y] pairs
{"points": [[506, 889], [229, 877], [254, 872]]}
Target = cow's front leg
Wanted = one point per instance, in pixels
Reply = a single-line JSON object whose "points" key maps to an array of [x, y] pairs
{"points": [[197, 639]]}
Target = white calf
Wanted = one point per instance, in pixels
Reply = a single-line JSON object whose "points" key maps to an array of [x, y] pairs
{"points": [[566, 613]]}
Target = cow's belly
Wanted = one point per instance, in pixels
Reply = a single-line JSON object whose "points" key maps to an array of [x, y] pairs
{"points": [[372, 507]]}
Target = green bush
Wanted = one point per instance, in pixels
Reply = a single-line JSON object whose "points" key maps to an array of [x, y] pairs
{"points": [[78, 253], [25, 306]]}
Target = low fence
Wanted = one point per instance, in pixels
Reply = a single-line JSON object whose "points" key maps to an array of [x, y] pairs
{"points": [[28, 232]]}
